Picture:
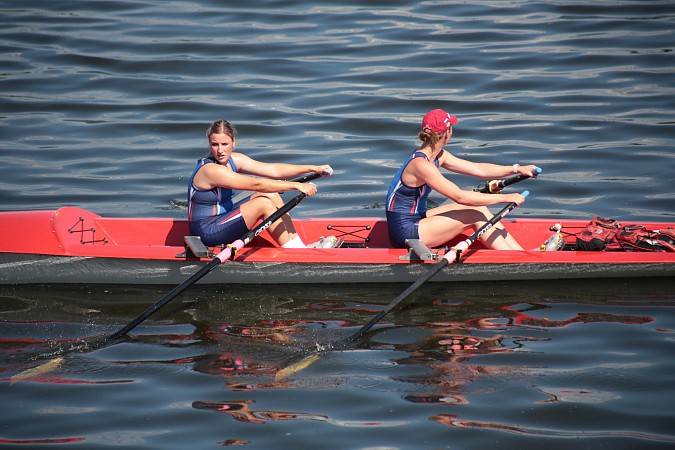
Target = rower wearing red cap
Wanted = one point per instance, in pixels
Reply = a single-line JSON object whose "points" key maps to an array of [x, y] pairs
{"points": [[407, 214]]}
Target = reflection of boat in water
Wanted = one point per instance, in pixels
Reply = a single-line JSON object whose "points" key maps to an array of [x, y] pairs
{"points": [[244, 334], [243, 305], [72, 245]]}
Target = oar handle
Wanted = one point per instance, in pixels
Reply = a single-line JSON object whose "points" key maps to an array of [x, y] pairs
{"points": [[309, 176], [495, 186]]}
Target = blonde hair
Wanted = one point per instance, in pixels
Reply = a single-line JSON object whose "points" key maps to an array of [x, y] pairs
{"points": [[429, 137], [222, 127]]}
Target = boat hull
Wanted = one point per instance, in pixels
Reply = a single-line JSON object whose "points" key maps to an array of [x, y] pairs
{"points": [[75, 246], [45, 269]]}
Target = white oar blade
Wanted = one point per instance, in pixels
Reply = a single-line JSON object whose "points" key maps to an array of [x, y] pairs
{"points": [[296, 367], [50, 365]]}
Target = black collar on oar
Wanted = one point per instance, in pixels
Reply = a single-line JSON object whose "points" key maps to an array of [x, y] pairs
{"points": [[224, 255], [450, 257], [495, 186]]}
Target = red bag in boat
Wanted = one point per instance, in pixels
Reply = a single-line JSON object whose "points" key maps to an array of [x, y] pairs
{"points": [[636, 238], [598, 235], [608, 234]]}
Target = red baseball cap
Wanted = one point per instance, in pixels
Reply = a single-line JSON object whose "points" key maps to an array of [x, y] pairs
{"points": [[438, 121]]}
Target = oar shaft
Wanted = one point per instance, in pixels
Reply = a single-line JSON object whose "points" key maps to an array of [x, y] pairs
{"points": [[451, 255], [520, 177], [402, 296], [166, 299], [221, 257], [449, 258], [265, 224]]}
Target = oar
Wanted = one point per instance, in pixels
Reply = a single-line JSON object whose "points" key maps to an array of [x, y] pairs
{"points": [[495, 186], [227, 253], [220, 258], [450, 257]]}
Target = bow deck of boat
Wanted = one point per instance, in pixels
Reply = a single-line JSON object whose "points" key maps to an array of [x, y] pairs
{"points": [[72, 245]]}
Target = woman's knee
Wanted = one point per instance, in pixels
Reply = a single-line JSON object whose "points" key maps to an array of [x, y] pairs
{"points": [[272, 198], [476, 217], [484, 212], [258, 207]]}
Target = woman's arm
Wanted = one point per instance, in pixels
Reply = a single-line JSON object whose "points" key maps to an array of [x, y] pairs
{"points": [[427, 172], [250, 166], [215, 175], [482, 170]]}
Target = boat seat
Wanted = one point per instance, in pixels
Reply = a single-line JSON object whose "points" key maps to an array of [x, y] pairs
{"points": [[195, 248], [417, 250]]}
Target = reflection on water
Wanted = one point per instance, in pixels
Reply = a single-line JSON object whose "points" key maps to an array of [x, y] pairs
{"points": [[532, 358], [242, 412], [452, 348]]}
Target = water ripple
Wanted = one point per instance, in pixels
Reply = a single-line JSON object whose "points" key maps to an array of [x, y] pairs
{"points": [[104, 105]]}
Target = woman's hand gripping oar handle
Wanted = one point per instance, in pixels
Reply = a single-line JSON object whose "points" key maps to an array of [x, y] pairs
{"points": [[495, 186], [450, 257]]}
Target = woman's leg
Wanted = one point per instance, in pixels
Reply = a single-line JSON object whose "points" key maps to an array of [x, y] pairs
{"points": [[263, 205], [447, 221]]}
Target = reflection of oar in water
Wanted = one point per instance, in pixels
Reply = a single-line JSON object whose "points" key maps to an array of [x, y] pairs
{"points": [[226, 254], [451, 256], [36, 371]]}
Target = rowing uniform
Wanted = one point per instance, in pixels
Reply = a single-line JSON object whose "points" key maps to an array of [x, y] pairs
{"points": [[212, 214], [406, 206]]}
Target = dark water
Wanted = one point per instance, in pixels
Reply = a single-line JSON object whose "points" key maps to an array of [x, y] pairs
{"points": [[104, 105]]}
